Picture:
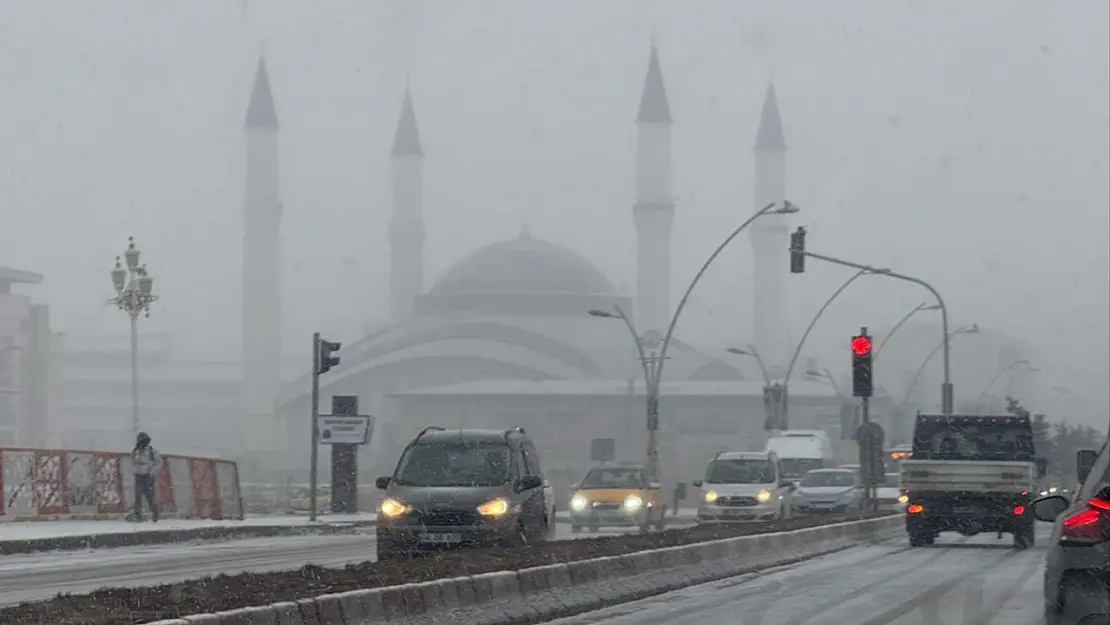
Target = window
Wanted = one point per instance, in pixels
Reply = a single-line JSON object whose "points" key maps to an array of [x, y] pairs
{"points": [[455, 464], [797, 467], [845, 479], [740, 471], [614, 478]]}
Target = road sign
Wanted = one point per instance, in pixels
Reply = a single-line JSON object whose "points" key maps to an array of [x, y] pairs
{"points": [[345, 430]]}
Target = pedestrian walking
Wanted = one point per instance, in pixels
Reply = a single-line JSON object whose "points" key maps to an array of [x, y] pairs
{"points": [[145, 463]]}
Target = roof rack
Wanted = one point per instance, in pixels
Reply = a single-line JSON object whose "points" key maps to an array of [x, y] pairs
{"points": [[511, 431], [430, 428]]}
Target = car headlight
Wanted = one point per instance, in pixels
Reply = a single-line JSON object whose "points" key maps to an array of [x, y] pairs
{"points": [[763, 496], [495, 507], [392, 508], [710, 496], [903, 499], [578, 503], [633, 502]]}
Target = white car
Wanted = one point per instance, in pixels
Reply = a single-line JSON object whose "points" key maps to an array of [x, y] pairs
{"points": [[744, 486], [890, 494]]}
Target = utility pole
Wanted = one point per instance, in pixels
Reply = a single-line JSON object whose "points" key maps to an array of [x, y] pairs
{"points": [[315, 454]]}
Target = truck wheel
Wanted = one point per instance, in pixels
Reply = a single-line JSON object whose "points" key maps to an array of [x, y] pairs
{"points": [[921, 536]]}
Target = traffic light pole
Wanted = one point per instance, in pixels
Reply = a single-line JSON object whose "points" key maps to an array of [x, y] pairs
{"points": [[946, 389], [865, 450], [315, 454]]}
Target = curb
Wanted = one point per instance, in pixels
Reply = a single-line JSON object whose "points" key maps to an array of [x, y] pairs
{"points": [[549, 592]]}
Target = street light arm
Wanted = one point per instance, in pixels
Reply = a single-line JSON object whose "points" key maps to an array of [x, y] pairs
{"points": [[639, 347], [920, 370], [697, 278], [813, 322], [997, 377], [897, 326], [762, 365]]}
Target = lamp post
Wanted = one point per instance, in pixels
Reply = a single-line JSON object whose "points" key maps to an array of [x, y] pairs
{"points": [[781, 404], [920, 307], [752, 352], [972, 329], [653, 367], [134, 295], [824, 373], [1001, 372]]}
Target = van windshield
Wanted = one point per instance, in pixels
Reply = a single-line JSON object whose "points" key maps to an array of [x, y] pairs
{"points": [[454, 464], [614, 478], [740, 471]]}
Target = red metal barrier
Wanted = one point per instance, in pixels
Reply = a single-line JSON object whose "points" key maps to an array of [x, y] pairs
{"points": [[47, 484]]}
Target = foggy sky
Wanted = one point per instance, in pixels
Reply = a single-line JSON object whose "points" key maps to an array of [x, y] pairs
{"points": [[962, 142]]}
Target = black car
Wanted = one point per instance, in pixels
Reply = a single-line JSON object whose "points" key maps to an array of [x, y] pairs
{"points": [[458, 488], [1077, 567]]}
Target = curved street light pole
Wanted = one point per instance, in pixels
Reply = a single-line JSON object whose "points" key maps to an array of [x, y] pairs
{"points": [[751, 351], [974, 329], [998, 376], [920, 307], [656, 363]]}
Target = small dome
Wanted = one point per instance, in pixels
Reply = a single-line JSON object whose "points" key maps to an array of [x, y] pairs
{"points": [[524, 265]]}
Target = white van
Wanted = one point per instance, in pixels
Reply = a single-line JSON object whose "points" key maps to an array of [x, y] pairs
{"points": [[801, 451]]}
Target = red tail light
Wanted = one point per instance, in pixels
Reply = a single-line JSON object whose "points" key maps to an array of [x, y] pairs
{"points": [[1088, 526], [1019, 510]]}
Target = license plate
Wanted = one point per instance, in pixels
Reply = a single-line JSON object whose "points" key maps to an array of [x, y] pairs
{"points": [[440, 539], [963, 509]]}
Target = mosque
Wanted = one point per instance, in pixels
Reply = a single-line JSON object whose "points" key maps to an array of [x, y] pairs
{"points": [[504, 339]]}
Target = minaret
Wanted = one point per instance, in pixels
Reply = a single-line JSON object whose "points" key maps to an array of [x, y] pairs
{"points": [[261, 264], [770, 238], [654, 210], [406, 226]]}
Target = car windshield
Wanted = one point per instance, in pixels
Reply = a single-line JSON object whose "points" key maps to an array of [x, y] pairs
{"points": [[797, 467], [829, 478], [613, 478], [454, 464], [740, 471], [963, 439]]}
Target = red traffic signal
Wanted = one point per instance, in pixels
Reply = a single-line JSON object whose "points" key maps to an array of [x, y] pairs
{"points": [[861, 345]]}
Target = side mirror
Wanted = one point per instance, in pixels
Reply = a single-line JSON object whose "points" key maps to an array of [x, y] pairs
{"points": [[654, 486], [1048, 508], [383, 482], [1042, 467], [528, 482], [1084, 462], [697, 483]]}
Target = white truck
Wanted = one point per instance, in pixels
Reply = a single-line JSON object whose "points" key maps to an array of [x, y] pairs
{"points": [[971, 474], [801, 451]]}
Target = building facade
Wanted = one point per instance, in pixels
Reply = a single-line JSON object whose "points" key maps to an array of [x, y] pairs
{"points": [[27, 346]]}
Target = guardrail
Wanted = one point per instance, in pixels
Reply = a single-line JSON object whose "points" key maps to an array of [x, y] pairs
{"points": [[559, 590], [52, 484]]}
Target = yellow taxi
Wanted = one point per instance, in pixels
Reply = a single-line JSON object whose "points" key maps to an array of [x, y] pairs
{"points": [[617, 496]]}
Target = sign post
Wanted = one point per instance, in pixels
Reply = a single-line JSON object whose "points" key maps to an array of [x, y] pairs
{"points": [[344, 429]]}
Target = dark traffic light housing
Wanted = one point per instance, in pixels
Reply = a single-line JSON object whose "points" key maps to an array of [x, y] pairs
{"points": [[862, 354], [797, 250], [325, 359]]}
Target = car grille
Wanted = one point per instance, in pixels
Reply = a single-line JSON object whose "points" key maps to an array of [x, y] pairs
{"points": [[447, 518], [604, 505], [736, 502]]}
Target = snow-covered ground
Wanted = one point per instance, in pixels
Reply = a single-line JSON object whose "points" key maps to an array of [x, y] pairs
{"points": [[978, 580], [59, 529], [33, 577]]}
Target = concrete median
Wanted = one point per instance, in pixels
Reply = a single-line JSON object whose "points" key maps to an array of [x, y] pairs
{"points": [[544, 593]]}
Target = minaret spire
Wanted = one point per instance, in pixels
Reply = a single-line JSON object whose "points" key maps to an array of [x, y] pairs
{"points": [[406, 227], [406, 139], [261, 112], [654, 107], [653, 213], [770, 136]]}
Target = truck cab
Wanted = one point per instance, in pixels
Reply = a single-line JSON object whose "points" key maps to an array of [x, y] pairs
{"points": [[801, 451], [971, 474]]}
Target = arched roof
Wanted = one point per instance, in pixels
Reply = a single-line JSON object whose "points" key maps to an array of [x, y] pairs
{"points": [[524, 265]]}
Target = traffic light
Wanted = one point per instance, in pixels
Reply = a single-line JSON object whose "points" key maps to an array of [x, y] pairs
{"points": [[326, 360], [797, 250], [861, 365]]}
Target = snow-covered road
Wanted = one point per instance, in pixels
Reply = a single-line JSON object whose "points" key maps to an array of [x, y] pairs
{"points": [[960, 581], [34, 577]]}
